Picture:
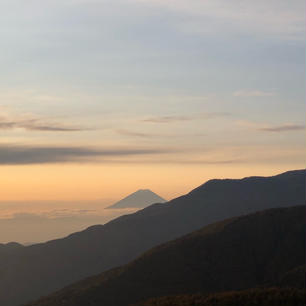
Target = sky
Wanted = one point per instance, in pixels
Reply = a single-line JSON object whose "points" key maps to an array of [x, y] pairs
{"points": [[101, 98]]}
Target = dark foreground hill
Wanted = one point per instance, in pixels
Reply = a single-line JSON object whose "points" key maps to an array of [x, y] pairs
{"points": [[240, 253], [37, 270], [8, 248], [253, 297]]}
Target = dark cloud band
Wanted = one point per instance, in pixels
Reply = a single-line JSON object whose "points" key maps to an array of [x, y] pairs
{"points": [[22, 155]]}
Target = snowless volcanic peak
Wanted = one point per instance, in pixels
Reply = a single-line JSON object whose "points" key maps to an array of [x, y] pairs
{"points": [[139, 199]]}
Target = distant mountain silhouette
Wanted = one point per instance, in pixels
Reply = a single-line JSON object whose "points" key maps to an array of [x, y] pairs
{"points": [[10, 246], [7, 248], [139, 199], [239, 253], [42, 268]]}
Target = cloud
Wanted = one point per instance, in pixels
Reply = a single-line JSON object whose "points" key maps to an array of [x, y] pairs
{"points": [[286, 127], [190, 159], [27, 155], [125, 132], [45, 225], [167, 119], [65, 212], [282, 128], [170, 119], [23, 155], [30, 123], [253, 93], [203, 161], [48, 127]]}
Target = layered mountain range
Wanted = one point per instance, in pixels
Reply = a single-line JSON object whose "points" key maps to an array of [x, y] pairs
{"points": [[240, 253], [37, 270]]}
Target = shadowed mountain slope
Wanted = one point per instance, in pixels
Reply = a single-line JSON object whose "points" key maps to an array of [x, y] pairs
{"points": [[239, 253], [42, 268], [139, 199], [8, 248], [253, 297]]}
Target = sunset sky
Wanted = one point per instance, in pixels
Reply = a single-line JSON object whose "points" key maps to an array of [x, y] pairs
{"points": [[101, 98]]}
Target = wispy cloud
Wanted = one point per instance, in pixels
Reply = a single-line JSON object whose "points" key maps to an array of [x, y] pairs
{"points": [[22, 155], [212, 161], [168, 119], [180, 118], [264, 127], [253, 93], [126, 132], [30, 122], [282, 128]]}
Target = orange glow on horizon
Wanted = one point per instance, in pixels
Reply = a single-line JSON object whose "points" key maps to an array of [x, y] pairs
{"points": [[75, 182]]}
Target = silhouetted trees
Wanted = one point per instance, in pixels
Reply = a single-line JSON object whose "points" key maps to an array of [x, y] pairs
{"points": [[253, 297]]}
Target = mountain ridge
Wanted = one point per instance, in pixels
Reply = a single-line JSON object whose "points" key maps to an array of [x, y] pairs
{"points": [[46, 267], [224, 256]]}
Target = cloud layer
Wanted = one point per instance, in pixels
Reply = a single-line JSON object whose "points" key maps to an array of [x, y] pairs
{"points": [[264, 127], [170, 119], [22, 155], [282, 128], [50, 224], [31, 122]]}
